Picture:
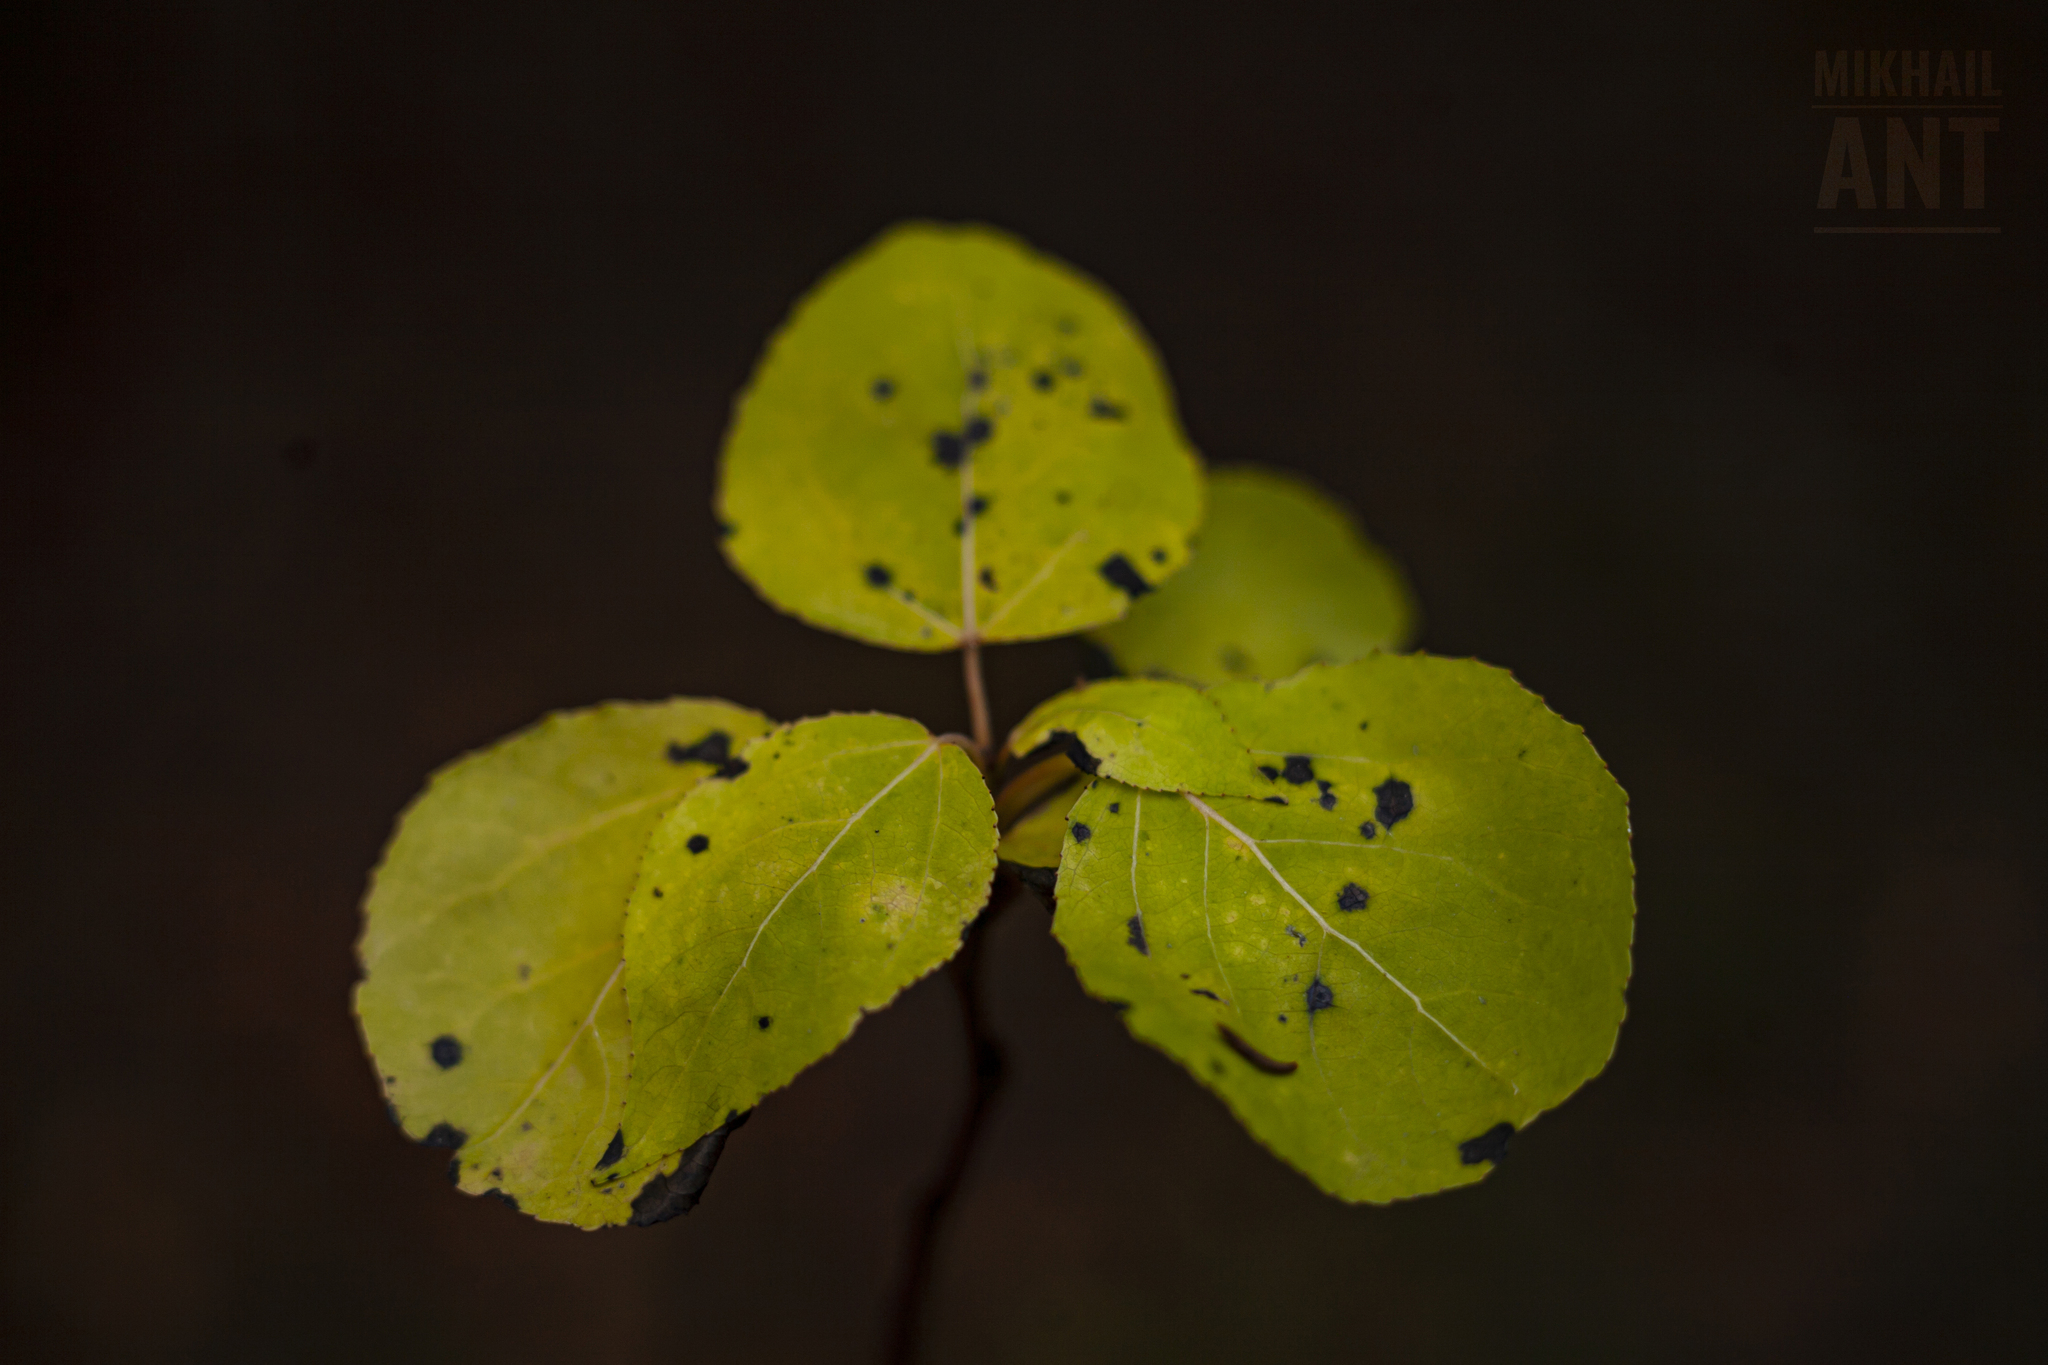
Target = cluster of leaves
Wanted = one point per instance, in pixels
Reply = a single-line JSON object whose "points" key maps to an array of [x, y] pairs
{"points": [[1380, 903]]}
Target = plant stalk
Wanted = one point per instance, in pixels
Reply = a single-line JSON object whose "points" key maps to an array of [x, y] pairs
{"points": [[985, 1078], [977, 701]]}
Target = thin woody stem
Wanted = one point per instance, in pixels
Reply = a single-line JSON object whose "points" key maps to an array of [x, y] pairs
{"points": [[977, 700], [984, 1079]]}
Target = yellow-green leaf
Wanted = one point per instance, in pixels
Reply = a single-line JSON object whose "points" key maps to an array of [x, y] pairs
{"points": [[1282, 577], [1386, 980], [955, 437], [1145, 732], [773, 910], [491, 999]]}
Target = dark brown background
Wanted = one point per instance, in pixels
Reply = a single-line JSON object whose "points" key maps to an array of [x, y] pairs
{"points": [[363, 372]]}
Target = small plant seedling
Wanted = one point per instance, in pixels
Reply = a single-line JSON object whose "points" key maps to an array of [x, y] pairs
{"points": [[1379, 902]]}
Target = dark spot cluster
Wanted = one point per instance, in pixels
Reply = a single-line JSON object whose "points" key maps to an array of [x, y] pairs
{"points": [[715, 749], [1082, 834], [697, 843], [949, 448], [1490, 1145], [1069, 743], [1369, 829], [1298, 770], [878, 575], [1319, 996], [1328, 800], [1122, 574], [1394, 801], [445, 1135], [615, 1149], [1134, 934], [988, 578], [1197, 990], [1270, 1065], [1353, 897], [763, 1022], [445, 1050], [1104, 410], [883, 389], [1042, 380]]}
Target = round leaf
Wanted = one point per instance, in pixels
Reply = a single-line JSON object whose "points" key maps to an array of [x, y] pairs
{"points": [[1282, 578], [1146, 732], [773, 910], [491, 999], [955, 437], [1387, 978]]}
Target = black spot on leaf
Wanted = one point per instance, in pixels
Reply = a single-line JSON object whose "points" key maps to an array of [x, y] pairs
{"points": [[764, 1021], [1062, 497], [1158, 556], [1272, 773], [948, 449], [977, 505], [1105, 410], [1134, 934], [1197, 990], [724, 528], [1275, 800], [1368, 829], [445, 1051], [1328, 800], [1042, 381], [1271, 1066], [878, 575], [1121, 574], [1319, 996], [1082, 834], [1069, 743], [883, 390], [715, 747], [1490, 1145], [615, 1149], [1116, 807], [503, 1198], [698, 843], [444, 1135], [1353, 897], [731, 768], [977, 431], [988, 578], [665, 1196], [977, 380], [1395, 800], [1298, 769], [1297, 935]]}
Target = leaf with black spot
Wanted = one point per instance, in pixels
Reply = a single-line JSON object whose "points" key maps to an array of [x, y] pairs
{"points": [[491, 999], [1285, 578], [826, 481], [1370, 1033], [843, 868]]}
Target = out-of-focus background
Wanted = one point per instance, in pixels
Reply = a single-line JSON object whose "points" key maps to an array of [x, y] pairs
{"points": [[364, 366]]}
